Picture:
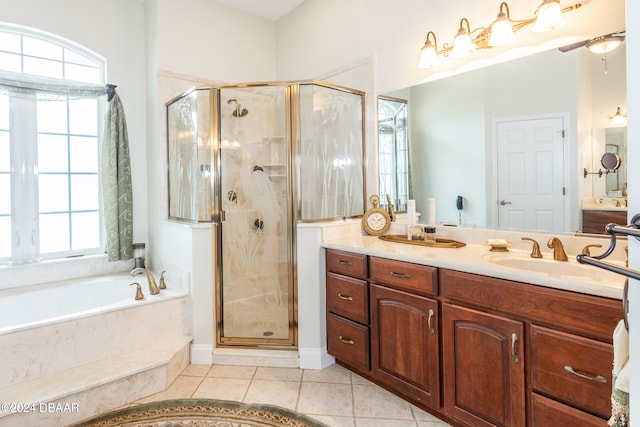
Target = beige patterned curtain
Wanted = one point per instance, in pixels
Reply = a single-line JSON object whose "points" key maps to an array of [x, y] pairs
{"points": [[117, 192]]}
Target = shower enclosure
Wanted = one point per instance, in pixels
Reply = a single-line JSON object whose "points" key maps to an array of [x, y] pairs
{"points": [[257, 159]]}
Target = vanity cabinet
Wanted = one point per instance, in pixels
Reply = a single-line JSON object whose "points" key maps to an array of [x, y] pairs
{"points": [[594, 220], [568, 341], [405, 350], [483, 367], [348, 309], [477, 351]]}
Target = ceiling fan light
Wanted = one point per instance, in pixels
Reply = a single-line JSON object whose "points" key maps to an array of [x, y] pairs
{"points": [[501, 29], [604, 44], [549, 17]]}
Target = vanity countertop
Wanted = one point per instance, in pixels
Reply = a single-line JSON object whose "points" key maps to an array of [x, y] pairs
{"points": [[475, 258]]}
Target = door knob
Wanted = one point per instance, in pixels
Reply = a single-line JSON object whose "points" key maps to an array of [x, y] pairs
{"points": [[504, 202]]}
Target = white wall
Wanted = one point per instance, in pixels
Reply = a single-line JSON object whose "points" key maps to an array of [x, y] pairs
{"points": [[206, 39], [115, 30], [192, 43], [323, 35]]}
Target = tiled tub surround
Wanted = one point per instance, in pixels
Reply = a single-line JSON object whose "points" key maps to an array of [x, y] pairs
{"points": [[88, 341]]}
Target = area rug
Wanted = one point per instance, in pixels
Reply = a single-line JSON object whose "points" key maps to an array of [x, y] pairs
{"points": [[200, 413]]}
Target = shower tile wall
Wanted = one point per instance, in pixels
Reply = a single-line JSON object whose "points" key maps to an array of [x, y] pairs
{"points": [[255, 281]]}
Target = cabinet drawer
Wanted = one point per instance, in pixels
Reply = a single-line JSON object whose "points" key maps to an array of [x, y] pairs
{"points": [[555, 354], [348, 341], [348, 297], [416, 278], [587, 315], [546, 412], [354, 265]]}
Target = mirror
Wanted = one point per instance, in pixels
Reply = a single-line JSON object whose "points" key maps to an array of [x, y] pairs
{"points": [[458, 125], [616, 149]]}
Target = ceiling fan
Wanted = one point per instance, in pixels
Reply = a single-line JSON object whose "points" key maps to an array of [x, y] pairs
{"points": [[601, 44]]}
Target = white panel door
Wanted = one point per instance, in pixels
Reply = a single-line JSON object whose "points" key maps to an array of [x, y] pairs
{"points": [[531, 174]]}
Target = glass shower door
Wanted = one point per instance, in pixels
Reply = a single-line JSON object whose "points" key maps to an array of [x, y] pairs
{"points": [[256, 288]]}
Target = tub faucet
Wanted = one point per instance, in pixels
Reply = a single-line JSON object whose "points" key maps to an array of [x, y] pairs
{"points": [[153, 288], [558, 250]]}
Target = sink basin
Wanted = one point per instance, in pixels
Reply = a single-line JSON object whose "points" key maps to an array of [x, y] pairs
{"points": [[563, 269]]}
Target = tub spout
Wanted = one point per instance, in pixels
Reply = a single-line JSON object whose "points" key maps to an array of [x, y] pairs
{"points": [[153, 288]]}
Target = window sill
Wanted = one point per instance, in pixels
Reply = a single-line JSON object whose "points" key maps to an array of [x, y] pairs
{"points": [[12, 276]]}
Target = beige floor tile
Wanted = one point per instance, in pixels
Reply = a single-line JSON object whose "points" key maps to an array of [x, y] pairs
{"points": [[222, 388], [421, 415], [375, 402], [229, 371], [433, 424], [182, 388], [333, 421], [357, 379], [332, 374], [279, 393], [380, 422], [196, 370], [325, 399], [279, 374]]}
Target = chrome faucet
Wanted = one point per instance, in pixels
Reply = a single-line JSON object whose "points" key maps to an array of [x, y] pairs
{"points": [[558, 251], [153, 288]]}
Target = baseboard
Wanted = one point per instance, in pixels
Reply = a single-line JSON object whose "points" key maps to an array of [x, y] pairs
{"points": [[315, 358], [256, 357], [201, 354]]}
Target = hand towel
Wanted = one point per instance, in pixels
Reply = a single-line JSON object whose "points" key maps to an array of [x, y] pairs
{"points": [[620, 386]]}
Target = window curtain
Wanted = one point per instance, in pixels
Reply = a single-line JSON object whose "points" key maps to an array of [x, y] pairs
{"points": [[117, 191], [116, 164]]}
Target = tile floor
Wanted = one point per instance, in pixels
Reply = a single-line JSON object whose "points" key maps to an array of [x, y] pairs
{"points": [[334, 395]]}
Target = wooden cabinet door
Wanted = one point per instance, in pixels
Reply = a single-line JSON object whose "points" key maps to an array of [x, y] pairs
{"points": [[404, 343], [483, 368]]}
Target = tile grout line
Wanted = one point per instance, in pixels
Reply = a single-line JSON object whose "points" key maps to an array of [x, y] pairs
{"points": [[200, 382]]}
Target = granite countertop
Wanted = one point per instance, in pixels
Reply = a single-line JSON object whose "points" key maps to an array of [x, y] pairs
{"points": [[476, 258]]}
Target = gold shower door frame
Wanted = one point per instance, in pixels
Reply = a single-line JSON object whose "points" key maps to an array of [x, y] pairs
{"points": [[223, 340], [293, 206]]}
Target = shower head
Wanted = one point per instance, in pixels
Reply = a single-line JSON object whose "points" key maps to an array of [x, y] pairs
{"points": [[239, 111]]}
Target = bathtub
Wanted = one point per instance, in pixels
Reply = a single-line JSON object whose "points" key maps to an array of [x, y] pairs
{"points": [[52, 327]]}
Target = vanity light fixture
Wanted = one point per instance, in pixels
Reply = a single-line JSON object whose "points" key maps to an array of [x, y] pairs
{"points": [[462, 44], [618, 118], [501, 31], [429, 52], [547, 17]]}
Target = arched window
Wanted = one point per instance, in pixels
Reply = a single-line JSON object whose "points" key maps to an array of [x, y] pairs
{"points": [[49, 182]]}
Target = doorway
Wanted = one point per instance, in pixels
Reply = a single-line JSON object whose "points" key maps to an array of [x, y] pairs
{"points": [[530, 173]]}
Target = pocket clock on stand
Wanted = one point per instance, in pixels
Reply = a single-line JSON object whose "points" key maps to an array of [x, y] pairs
{"points": [[376, 221]]}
